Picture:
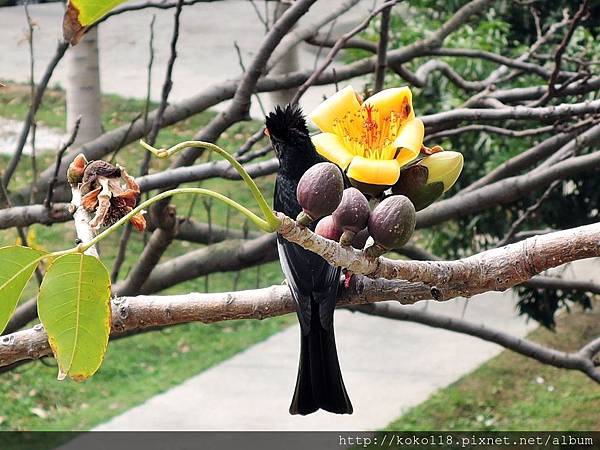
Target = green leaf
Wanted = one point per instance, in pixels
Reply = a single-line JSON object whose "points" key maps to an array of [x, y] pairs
{"points": [[74, 307], [80, 14], [17, 264]]}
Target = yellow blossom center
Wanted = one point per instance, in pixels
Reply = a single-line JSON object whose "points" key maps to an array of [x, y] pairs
{"points": [[368, 133]]}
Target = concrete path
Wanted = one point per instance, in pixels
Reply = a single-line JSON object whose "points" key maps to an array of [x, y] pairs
{"points": [[206, 53], [388, 367]]}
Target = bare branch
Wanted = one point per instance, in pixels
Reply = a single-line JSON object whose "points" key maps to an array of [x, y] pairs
{"points": [[579, 15], [448, 119], [59, 156], [147, 312], [35, 104], [511, 189], [226, 256], [23, 216], [574, 361], [496, 269], [148, 5], [554, 283], [336, 48], [522, 160], [168, 82], [530, 210], [121, 252], [197, 232], [240, 105], [384, 31], [157, 244], [306, 32]]}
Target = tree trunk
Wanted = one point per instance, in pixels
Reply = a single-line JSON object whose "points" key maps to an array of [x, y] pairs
{"points": [[83, 88]]}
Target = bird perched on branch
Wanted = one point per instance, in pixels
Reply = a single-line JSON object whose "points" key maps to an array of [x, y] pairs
{"points": [[312, 281]]}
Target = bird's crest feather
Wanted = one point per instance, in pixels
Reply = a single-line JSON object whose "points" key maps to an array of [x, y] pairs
{"points": [[283, 123]]}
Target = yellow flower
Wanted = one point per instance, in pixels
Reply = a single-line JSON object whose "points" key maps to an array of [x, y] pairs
{"points": [[370, 140]]}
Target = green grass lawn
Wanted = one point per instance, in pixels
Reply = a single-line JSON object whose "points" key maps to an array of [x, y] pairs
{"points": [[138, 367], [515, 393]]}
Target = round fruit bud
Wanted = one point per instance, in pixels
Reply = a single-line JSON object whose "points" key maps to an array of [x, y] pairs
{"points": [[327, 228], [360, 239], [391, 224], [319, 192], [352, 214]]}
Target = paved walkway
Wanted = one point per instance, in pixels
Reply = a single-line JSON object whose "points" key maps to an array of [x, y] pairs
{"points": [[388, 367]]}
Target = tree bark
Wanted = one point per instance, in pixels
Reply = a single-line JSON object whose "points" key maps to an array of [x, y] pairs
{"points": [[83, 89]]}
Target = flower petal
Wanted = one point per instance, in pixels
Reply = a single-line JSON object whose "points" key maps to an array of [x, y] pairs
{"points": [[409, 141], [374, 171], [338, 107], [396, 100], [443, 167], [333, 148]]}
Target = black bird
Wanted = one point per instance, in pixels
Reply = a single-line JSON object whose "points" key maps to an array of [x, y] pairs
{"points": [[312, 281]]}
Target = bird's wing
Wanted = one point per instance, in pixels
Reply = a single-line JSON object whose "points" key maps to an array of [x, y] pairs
{"points": [[309, 277], [308, 274], [294, 279]]}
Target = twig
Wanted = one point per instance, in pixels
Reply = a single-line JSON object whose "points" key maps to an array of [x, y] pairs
{"points": [[523, 217], [139, 6], [384, 31], [30, 25], [490, 129], [579, 15], [247, 146], [336, 48], [59, 156], [322, 46], [168, 83], [124, 139], [35, 104], [147, 156], [243, 67], [120, 258], [263, 20], [554, 283]]}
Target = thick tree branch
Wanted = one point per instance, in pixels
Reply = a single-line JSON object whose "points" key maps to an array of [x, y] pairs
{"points": [[131, 314], [23, 216], [511, 189], [523, 160], [240, 104], [496, 269], [554, 283], [226, 256]]}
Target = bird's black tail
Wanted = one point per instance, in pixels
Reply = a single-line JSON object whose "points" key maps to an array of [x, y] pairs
{"points": [[319, 383]]}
